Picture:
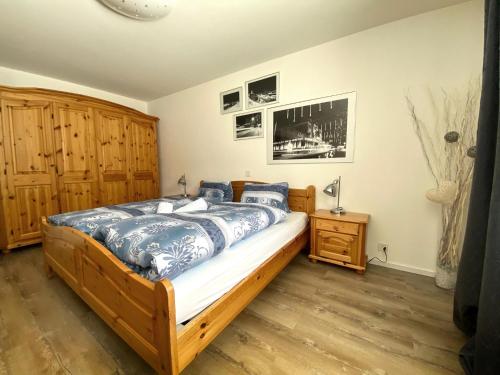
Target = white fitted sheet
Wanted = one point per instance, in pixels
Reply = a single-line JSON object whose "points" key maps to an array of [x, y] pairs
{"points": [[202, 285]]}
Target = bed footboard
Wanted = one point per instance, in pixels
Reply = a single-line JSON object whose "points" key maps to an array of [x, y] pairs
{"points": [[141, 312]]}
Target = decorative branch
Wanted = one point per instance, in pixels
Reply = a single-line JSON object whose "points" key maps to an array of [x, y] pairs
{"points": [[419, 128]]}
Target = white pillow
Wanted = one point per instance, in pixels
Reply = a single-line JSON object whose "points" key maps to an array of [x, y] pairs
{"points": [[198, 205], [165, 208]]}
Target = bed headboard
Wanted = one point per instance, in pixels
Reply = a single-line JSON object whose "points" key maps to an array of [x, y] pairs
{"points": [[302, 200]]}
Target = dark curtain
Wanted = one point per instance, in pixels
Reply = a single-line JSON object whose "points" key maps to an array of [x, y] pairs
{"points": [[477, 295]]}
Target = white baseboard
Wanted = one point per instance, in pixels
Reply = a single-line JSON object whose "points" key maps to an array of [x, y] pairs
{"points": [[404, 267]]}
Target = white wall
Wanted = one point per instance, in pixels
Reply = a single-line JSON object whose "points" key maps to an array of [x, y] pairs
{"points": [[388, 177], [18, 78]]}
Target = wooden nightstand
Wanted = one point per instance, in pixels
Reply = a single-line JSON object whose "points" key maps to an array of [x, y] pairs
{"points": [[339, 239]]}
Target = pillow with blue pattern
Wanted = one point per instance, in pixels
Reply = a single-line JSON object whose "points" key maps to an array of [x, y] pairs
{"points": [[274, 195], [216, 191]]}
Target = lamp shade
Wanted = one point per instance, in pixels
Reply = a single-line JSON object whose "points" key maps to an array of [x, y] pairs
{"points": [[331, 189], [144, 10], [182, 180]]}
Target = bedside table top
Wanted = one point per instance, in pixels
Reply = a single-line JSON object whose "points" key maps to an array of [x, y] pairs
{"points": [[352, 217]]}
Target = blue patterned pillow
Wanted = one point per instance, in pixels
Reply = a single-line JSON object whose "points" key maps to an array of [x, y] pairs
{"points": [[216, 190], [215, 195], [274, 195]]}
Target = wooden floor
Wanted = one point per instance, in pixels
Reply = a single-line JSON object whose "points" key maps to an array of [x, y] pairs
{"points": [[313, 319]]}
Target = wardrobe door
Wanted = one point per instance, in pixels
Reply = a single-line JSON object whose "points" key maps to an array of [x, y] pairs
{"points": [[29, 175], [76, 160], [144, 159], [111, 129]]}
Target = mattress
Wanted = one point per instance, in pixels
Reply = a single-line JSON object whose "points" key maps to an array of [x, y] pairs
{"points": [[202, 285]]}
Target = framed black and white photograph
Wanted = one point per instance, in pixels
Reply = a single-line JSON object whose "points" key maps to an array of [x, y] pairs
{"points": [[313, 131], [231, 100], [248, 125], [263, 91]]}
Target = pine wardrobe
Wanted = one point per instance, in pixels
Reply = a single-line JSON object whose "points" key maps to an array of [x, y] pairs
{"points": [[65, 152]]}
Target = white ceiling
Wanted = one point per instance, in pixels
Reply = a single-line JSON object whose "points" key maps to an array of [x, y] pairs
{"points": [[84, 42]]}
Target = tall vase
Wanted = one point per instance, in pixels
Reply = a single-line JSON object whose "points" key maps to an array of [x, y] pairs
{"points": [[445, 278], [454, 218]]}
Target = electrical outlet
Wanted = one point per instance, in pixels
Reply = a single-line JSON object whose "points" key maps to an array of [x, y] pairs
{"points": [[247, 173], [382, 247]]}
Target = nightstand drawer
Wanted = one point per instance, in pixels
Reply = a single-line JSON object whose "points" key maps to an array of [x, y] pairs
{"points": [[337, 246], [337, 226]]}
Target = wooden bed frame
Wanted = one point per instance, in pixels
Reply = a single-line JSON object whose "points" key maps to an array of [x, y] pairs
{"points": [[142, 312]]}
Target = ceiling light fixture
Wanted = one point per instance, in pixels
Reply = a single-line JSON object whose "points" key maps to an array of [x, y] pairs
{"points": [[143, 10]]}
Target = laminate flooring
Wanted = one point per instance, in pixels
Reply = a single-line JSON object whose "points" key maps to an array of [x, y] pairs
{"points": [[312, 319]]}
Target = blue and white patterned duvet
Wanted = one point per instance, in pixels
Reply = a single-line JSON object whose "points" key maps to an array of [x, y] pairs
{"points": [[159, 246], [88, 221]]}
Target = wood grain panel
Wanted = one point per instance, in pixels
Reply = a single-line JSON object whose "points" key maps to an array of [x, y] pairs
{"points": [[337, 226], [77, 196], [144, 189], [111, 136], [75, 154], [101, 287], [114, 192], [337, 245], [111, 131], [27, 134], [62, 258], [144, 159], [76, 131], [143, 144], [30, 183], [32, 203], [139, 290]]}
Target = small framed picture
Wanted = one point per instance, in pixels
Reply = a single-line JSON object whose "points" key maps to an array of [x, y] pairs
{"points": [[248, 125], [231, 100], [263, 91]]}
